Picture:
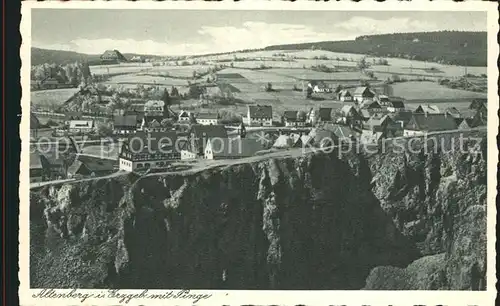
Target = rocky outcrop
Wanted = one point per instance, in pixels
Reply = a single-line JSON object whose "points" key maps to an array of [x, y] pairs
{"points": [[311, 222], [437, 198]]}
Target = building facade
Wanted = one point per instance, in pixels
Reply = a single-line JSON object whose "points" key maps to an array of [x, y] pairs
{"points": [[145, 150], [260, 115]]}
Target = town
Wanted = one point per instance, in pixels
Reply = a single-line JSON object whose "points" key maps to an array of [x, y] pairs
{"points": [[96, 131]]}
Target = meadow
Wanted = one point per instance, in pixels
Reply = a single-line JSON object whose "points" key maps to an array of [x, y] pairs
{"points": [[432, 91], [48, 98]]}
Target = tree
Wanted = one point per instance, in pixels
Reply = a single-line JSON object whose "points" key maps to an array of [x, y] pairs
{"points": [[86, 72], [195, 91], [167, 122], [363, 64], [174, 92], [104, 130], [309, 92], [166, 98]]}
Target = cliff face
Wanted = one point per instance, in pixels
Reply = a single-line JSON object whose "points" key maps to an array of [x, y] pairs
{"points": [[312, 222]]}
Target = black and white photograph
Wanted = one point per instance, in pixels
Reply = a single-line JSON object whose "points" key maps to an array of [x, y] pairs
{"points": [[175, 151]]}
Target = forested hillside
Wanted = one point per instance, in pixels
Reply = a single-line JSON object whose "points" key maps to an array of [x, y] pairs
{"points": [[447, 47]]}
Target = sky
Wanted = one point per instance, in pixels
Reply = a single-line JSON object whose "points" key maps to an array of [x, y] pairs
{"points": [[190, 32]]}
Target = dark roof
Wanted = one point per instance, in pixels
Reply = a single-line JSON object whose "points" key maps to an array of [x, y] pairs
{"points": [[136, 107], [202, 133], [478, 103], [113, 54], [431, 122], [138, 115], [156, 140], [125, 121], [427, 108], [345, 92], [362, 90], [290, 115], [347, 109], [150, 119], [207, 116], [261, 111], [396, 104], [405, 117], [208, 131], [85, 165], [325, 113], [73, 115], [370, 104], [235, 147], [341, 131]]}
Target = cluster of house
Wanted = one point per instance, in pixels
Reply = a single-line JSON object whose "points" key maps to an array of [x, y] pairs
{"points": [[50, 166], [153, 116], [157, 149], [384, 117]]}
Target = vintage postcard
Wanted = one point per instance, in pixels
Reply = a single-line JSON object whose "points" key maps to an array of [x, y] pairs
{"points": [[196, 153]]}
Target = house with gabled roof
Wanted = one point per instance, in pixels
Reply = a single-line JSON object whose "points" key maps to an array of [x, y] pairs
{"points": [[325, 114], [198, 136], [112, 57], [395, 105], [345, 96], [427, 108], [401, 118], [478, 103], [373, 106], [423, 123], [123, 125], [454, 112], [154, 124], [208, 118], [364, 93], [184, 116], [351, 116], [260, 115], [294, 119], [480, 106], [464, 123]]}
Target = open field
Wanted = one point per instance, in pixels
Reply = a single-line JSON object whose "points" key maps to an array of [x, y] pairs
{"points": [[432, 90], [44, 98], [120, 68], [145, 80]]}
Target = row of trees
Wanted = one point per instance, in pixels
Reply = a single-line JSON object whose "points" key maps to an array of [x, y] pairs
{"points": [[74, 73]]}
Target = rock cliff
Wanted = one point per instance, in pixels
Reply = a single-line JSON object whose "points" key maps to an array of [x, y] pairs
{"points": [[318, 221]]}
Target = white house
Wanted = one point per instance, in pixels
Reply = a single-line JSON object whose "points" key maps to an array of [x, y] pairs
{"points": [[184, 116], [81, 126], [153, 107], [145, 150], [363, 93], [260, 115], [208, 118]]}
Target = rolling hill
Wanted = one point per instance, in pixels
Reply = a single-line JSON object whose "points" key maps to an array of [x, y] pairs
{"points": [[41, 56], [447, 47]]}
